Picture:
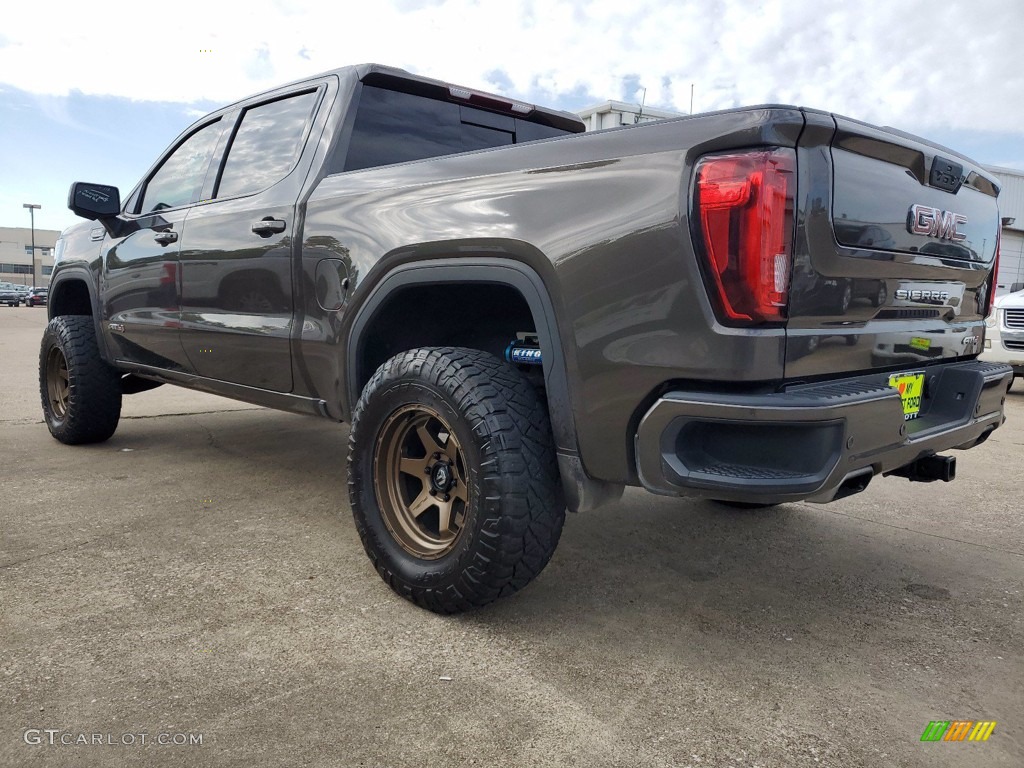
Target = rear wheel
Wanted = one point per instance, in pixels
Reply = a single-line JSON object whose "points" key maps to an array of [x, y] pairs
{"points": [[452, 478], [81, 394]]}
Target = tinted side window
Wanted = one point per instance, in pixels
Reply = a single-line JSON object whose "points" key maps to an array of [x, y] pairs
{"points": [[527, 131], [179, 180], [481, 137], [393, 127], [266, 145]]}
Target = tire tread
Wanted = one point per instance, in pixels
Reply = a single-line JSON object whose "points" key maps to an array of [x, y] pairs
{"points": [[522, 499], [94, 400]]}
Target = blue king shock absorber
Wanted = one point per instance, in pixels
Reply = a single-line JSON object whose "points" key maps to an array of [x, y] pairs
{"points": [[519, 353]]}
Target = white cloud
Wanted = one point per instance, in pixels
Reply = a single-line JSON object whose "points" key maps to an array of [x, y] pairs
{"points": [[915, 63]]}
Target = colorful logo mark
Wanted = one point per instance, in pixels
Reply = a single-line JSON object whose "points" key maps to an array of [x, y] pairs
{"points": [[958, 730]]}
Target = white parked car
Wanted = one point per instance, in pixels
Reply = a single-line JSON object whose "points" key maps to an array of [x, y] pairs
{"points": [[1004, 334]]}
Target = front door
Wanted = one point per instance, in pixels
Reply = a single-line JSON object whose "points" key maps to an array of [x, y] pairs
{"points": [[140, 267]]}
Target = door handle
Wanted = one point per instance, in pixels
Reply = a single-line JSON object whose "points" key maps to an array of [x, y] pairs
{"points": [[268, 227], [165, 238]]}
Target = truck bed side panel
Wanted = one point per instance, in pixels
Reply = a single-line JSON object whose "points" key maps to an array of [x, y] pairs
{"points": [[607, 213]]}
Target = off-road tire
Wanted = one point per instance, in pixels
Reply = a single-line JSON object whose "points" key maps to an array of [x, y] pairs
{"points": [[91, 406], [515, 510]]}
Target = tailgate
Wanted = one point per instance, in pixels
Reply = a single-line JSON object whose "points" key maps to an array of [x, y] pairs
{"points": [[893, 251]]}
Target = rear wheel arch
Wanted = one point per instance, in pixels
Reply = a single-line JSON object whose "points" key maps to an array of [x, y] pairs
{"points": [[516, 279], [519, 280]]}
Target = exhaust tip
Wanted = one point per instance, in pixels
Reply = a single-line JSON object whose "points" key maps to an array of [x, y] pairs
{"points": [[853, 483]]}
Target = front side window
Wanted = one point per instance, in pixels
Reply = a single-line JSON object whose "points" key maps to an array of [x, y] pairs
{"points": [[266, 146], [179, 180]]}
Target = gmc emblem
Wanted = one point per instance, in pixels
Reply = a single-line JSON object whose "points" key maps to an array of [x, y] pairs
{"points": [[932, 222]]}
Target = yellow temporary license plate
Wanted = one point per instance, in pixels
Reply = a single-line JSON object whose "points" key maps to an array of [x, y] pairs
{"points": [[921, 344], [911, 388]]}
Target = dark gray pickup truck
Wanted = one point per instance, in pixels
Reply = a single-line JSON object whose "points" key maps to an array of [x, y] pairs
{"points": [[757, 306]]}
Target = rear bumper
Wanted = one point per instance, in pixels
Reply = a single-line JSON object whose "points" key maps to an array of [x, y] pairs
{"points": [[816, 442]]}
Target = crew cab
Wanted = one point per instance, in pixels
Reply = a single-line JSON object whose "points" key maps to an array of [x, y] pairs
{"points": [[517, 317]]}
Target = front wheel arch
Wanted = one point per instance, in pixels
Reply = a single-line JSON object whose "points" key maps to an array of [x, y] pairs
{"points": [[72, 292]]}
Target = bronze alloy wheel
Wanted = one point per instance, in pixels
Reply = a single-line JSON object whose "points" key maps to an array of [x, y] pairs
{"points": [[420, 481], [58, 384], [452, 477]]}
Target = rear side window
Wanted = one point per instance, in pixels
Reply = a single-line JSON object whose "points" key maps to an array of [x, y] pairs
{"points": [[179, 179], [394, 127], [266, 145]]}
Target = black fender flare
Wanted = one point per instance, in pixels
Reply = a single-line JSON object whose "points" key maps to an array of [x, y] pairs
{"points": [[582, 492], [84, 275]]}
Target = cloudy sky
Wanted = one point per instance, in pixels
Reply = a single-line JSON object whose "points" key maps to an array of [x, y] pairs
{"points": [[91, 93]]}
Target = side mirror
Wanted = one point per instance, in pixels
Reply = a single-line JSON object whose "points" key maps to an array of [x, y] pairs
{"points": [[94, 201]]}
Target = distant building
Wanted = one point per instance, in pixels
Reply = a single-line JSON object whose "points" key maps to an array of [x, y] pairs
{"points": [[613, 114], [16, 255], [1011, 241]]}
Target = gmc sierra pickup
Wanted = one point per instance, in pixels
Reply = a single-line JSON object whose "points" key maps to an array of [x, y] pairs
{"points": [[758, 305]]}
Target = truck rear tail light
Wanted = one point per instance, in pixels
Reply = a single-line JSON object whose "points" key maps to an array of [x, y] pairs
{"points": [[744, 205], [993, 281]]}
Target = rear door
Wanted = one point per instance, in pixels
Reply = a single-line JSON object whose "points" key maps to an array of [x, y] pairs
{"points": [[895, 245], [236, 259]]}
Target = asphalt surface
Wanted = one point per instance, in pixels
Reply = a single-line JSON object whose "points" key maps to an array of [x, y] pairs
{"points": [[199, 575]]}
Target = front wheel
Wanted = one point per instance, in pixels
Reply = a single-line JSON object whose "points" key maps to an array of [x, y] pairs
{"points": [[453, 480], [80, 392], [879, 298], [846, 297]]}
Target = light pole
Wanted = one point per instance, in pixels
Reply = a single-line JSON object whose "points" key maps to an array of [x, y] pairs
{"points": [[32, 213]]}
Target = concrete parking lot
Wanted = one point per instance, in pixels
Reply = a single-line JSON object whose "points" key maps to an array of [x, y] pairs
{"points": [[199, 574]]}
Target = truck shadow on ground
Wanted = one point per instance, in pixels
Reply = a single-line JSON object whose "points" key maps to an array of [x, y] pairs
{"points": [[675, 567]]}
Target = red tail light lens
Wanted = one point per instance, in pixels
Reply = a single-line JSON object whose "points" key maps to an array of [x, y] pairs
{"points": [[744, 203], [993, 281]]}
